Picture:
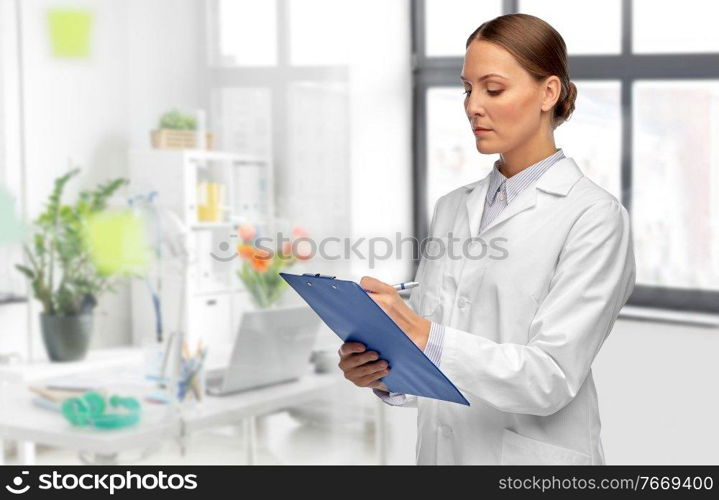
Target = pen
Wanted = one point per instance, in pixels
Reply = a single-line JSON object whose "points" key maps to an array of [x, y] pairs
{"points": [[402, 286], [406, 286]]}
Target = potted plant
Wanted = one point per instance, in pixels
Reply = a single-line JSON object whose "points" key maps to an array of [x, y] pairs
{"points": [[61, 270], [261, 266], [176, 130]]}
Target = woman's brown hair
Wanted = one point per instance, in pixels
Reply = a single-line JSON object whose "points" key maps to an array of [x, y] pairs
{"points": [[538, 48]]}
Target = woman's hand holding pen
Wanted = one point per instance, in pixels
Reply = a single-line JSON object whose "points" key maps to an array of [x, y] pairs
{"points": [[386, 296], [364, 368]]}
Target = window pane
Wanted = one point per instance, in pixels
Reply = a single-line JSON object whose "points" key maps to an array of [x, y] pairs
{"points": [[448, 23], [318, 32], [452, 156], [675, 180], [247, 32], [587, 27], [243, 119], [593, 134], [671, 27], [313, 189]]}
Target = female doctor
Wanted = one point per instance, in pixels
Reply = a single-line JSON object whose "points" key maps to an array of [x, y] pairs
{"points": [[542, 264]]}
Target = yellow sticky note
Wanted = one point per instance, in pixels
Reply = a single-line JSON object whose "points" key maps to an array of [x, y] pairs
{"points": [[70, 32], [118, 243]]}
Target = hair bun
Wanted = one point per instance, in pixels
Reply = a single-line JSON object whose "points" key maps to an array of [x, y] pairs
{"points": [[566, 107]]}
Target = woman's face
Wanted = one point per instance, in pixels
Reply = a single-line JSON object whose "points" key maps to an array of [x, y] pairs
{"points": [[509, 101]]}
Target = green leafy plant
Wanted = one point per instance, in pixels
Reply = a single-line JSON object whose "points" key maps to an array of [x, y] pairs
{"points": [[176, 120], [62, 273]]}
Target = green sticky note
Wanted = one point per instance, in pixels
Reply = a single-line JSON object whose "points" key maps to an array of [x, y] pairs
{"points": [[70, 32], [11, 229], [117, 242]]}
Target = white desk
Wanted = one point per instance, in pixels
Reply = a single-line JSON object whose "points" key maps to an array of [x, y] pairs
{"points": [[217, 411], [22, 421], [29, 425]]}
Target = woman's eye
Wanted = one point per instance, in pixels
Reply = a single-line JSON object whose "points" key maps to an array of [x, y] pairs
{"points": [[490, 92]]}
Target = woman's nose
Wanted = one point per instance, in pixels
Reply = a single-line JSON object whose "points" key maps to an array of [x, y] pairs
{"points": [[475, 106]]}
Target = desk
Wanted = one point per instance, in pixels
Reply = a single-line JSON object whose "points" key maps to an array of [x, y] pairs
{"points": [[21, 420], [217, 411]]}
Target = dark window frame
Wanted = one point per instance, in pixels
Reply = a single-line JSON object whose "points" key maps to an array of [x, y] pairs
{"points": [[626, 67]]}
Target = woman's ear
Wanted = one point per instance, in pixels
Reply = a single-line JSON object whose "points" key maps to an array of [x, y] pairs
{"points": [[551, 90]]}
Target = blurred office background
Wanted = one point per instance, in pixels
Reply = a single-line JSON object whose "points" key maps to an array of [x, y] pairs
{"points": [[354, 113]]}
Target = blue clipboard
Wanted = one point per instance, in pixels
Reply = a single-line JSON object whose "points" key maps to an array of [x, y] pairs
{"points": [[349, 312]]}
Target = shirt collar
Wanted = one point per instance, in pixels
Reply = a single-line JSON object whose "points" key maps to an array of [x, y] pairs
{"points": [[515, 184]]}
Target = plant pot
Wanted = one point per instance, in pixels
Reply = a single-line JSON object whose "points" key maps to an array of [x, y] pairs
{"points": [[165, 138], [66, 338]]}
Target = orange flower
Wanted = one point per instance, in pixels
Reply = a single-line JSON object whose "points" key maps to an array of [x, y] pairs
{"points": [[260, 265], [245, 251], [260, 260]]}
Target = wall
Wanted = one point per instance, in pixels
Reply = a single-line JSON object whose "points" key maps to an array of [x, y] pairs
{"points": [[89, 112], [658, 398], [381, 135]]}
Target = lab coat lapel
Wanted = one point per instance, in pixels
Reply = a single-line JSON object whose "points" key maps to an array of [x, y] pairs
{"points": [[557, 180], [475, 200], [474, 204], [524, 201]]}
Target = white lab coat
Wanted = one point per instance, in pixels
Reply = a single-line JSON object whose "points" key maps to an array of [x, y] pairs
{"points": [[524, 322]]}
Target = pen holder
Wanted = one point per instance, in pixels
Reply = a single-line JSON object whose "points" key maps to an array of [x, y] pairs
{"points": [[192, 383]]}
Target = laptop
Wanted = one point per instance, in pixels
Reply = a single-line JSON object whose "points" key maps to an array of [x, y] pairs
{"points": [[269, 349]]}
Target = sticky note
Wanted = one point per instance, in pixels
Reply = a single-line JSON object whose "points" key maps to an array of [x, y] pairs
{"points": [[70, 32], [118, 242]]}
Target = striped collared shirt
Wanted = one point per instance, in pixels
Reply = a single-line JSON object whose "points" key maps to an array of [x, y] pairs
{"points": [[501, 192]]}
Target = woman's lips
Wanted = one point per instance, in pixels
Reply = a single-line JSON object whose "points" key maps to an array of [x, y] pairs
{"points": [[481, 131]]}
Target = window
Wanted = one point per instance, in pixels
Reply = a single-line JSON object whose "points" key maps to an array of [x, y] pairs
{"points": [[647, 111], [676, 183], [278, 89], [593, 134], [316, 36], [665, 26], [246, 33], [449, 23], [587, 27]]}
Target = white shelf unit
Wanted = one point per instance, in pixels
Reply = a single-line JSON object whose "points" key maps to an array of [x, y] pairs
{"points": [[214, 297]]}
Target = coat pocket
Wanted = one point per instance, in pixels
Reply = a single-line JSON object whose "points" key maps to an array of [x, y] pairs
{"points": [[522, 450], [430, 288], [430, 304]]}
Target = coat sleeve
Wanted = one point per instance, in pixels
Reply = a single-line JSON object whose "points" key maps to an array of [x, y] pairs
{"points": [[593, 278]]}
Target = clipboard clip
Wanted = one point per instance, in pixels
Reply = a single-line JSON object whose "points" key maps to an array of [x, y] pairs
{"points": [[318, 275]]}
